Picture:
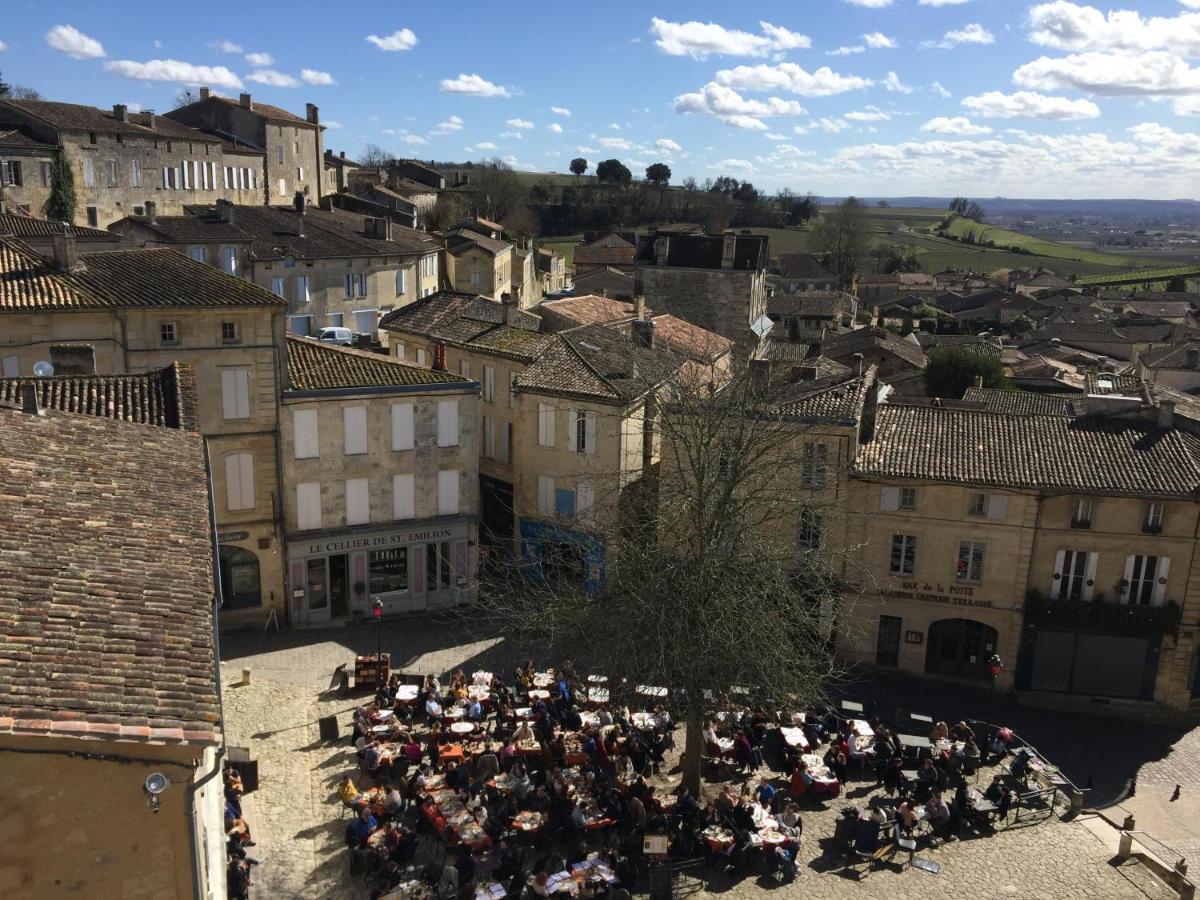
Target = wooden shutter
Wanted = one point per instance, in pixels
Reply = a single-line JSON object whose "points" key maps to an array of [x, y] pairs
{"points": [[584, 498], [448, 492], [308, 506], [889, 498], [1160, 581], [1059, 566], [573, 416], [1089, 576], [997, 507], [589, 433], [545, 425], [1127, 584], [447, 423], [354, 429], [304, 434], [239, 481], [403, 496], [545, 495], [358, 503], [235, 393]]}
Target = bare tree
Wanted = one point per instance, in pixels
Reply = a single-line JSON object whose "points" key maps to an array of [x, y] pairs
{"points": [[706, 588], [842, 235], [186, 96], [374, 155]]}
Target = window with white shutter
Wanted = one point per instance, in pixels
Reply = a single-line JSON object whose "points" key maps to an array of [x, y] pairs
{"points": [[304, 434], [505, 448], [489, 437], [545, 425], [403, 496], [584, 500], [489, 383], [889, 498], [421, 357], [308, 506], [399, 351], [401, 282], [277, 286], [358, 504], [230, 255], [354, 429], [545, 495], [447, 423], [997, 507], [402, 426], [12, 368], [447, 493], [239, 481], [1145, 582], [1074, 575], [235, 393], [512, 390]]}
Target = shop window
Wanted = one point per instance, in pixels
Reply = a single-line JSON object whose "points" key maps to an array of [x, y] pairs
{"points": [[240, 582], [389, 570]]}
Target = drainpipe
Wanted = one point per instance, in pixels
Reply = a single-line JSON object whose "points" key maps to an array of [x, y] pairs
{"points": [[195, 786]]}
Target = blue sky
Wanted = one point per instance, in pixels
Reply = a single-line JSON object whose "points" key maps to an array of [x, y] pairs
{"points": [[875, 97]]}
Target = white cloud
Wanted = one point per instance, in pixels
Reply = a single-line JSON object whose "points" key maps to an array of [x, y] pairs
{"points": [[772, 136], [846, 51], [614, 126], [555, 127], [732, 108], [474, 85], [868, 114], [404, 39], [3, 46], [519, 123], [941, 2], [226, 46], [959, 125], [70, 40], [1029, 105], [877, 40], [1154, 73], [666, 145], [511, 135], [870, 4], [1069, 26], [330, 123], [968, 34], [895, 85], [614, 143], [699, 40], [413, 140], [449, 126], [585, 149], [315, 76], [175, 71], [822, 82], [936, 88], [743, 165], [560, 110], [273, 78], [485, 145], [833, 126], [259, 60]]}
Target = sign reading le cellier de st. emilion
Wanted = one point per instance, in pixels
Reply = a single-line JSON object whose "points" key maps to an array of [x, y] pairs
{"points": [[376, 541], [926, 592]]}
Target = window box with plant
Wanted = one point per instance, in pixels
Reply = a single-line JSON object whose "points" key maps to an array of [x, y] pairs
{"points": [[1098, 617]]}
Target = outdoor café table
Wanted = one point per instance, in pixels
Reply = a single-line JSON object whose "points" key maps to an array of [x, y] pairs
{"points": [[482, 678], [818, 769], [454, 712], [407, 693], [539, 694], [589, 718], [717, 838], [910, 774], [543, 680], [529, 821], [725, 745], [504, 783], [490, 890], [450, 753], [921, 717], [913, 740], [597, 679], [794, 737], [381, 729], [408, 890], [770, 836], [524, 712], [462, 727], [593, 870], [863, 728], [478, 692], [647, 690], [592, 823], [852, 706], [646, 721], [597, 695], [980, 803]]}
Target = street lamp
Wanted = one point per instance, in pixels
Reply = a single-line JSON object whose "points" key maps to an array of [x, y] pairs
{"points": [[377, 612]]}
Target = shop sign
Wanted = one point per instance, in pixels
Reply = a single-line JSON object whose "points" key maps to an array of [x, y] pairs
{"points": [[229, 537], [374, 542], [936, 592]]}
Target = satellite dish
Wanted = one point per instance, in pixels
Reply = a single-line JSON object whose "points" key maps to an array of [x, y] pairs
{"points": [[43, 369], [156, 783]]}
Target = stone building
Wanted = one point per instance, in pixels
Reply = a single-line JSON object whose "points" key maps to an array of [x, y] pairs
{"points": [[605, 251], [334, 268], [121, 161], [1060, 537], [480, 265], [131, 311], [551, 269], [108, 673], [801, 273], [39, 235], [715, 281], [24, 171], [294, 160], [563, 419], [381, 476], [526, 285], [607, 281], [339, 171]]}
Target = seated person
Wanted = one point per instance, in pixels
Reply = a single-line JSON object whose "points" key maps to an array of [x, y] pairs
{"points": [[940, 733], [393, 800], [995, 790], [432, 708], [906, 814], [938, 811], [962, 732], [474, 710], [524, 733], [765, 793], [348, 793], [364, 826]]}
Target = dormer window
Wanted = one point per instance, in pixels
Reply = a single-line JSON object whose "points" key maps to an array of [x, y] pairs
{"points": [[1081, 513]]}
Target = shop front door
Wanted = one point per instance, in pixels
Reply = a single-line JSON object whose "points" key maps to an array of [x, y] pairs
{"points": [[339, 586], [316, 581], [960, 647]]}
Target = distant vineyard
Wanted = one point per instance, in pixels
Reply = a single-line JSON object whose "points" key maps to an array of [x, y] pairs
{"points": [[1142, 276]]}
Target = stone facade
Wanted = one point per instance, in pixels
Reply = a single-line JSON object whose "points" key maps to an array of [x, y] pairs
{"points": [[473, 269], [724, 301], [294, 147], [122, 160]]}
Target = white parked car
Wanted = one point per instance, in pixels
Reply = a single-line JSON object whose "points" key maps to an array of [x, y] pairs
{"points": [[334, 335]]}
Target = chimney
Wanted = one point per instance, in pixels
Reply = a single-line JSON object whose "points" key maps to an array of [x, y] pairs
{"points": [[662, 250], [342, 154], [205, 93], [151, 119], [978, 381], [439, 357], [312, 114], [643, 332], [1166, 414], [804, 372], [728, 245], [120, 112], [246, 102], [639, 306], [1192, 358], [29, 399], [858, 363], [760, 377], [510, 308], [66, 253], [299, 201], [151, 212]]}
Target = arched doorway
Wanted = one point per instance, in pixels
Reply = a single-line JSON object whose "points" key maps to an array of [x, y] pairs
{"points": [[240, 584], [960, 647]]}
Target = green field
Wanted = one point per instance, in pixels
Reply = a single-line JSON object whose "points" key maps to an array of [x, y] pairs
{"points": [[1004, 238]]}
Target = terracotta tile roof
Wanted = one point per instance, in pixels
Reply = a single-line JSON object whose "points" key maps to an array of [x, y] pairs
{"points": [[689, 340], [120, 279], [806, 304], [460, 240], [839, 398], [590, 309], [17, 140], [77, 117], [802, 265], [1172, 357], [981, 344], [315, 366], [163, 397], [609, 250], [106, 580], [468, 320], [1026, 403], [29, 227], [1089, 454], [843, 346], [266, 110]]}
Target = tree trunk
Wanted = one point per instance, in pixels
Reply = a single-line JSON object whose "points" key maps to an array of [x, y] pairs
{"points": [[693, 749]]}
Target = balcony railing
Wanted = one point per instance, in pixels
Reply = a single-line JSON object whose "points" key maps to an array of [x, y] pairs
{"points": [[1099, 617]]}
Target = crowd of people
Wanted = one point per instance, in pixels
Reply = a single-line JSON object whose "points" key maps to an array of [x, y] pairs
{"points": [[237, 838], [546, 784]]}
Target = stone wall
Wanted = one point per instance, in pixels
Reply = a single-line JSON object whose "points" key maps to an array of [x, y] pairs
{"points": [[725, 301]]}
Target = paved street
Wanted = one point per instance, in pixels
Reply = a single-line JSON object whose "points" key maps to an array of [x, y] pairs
{"points": [[298, 825]]}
